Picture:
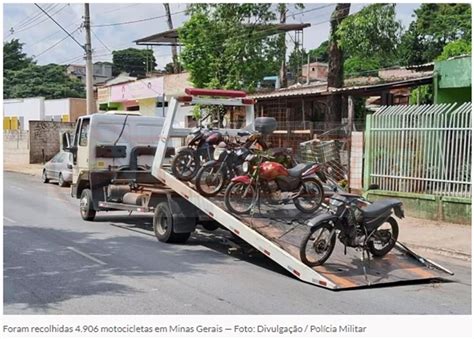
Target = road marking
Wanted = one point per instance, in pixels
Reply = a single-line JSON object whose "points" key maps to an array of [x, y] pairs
{"points": [[9, 220], [85, 255]]}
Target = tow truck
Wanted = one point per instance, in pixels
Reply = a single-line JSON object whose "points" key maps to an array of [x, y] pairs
{"points": [[114, 177]]}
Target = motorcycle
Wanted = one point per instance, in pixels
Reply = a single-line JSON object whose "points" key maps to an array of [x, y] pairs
{"points": [[277, 183], [200, 145], [356, 223], [228, 158]]}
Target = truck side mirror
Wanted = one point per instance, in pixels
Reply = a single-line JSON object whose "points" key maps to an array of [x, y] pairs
{"points": [[67, 144]]}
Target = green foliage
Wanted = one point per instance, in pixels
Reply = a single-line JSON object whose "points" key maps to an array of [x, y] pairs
{"points": [[421, 95], [297, 58], [227, 46], [49, 81], [435, 26], [13, 57], [455, 48], [135, 62], [22, 78], [372, 33], [320, 54], [358, 66]]}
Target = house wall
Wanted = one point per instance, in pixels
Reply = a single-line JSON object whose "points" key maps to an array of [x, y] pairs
{"points": [[24, 109], [452, 80], [77, 108], [45, 139]]}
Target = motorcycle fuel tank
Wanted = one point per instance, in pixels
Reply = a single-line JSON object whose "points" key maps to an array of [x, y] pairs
{"points": [[269, 170], [214, 138]]}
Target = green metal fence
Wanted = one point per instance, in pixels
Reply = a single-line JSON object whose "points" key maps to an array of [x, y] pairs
{"points": [[420, 149]]}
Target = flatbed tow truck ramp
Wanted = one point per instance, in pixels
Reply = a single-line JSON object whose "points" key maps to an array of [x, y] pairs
{"points": [[277, 232]]}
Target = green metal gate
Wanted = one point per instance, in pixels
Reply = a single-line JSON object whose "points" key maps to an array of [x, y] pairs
{"points": [[420, 149]]}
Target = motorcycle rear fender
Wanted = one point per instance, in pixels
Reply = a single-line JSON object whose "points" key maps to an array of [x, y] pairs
{"points": [[399, 212], [311, 171], [322, 218], [245, 179]]}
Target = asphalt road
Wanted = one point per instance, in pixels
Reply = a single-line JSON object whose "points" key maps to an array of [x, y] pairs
{"points": [[56, 263]]}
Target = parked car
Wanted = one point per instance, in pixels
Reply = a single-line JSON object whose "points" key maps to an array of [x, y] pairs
{"points": [[59, 168]]}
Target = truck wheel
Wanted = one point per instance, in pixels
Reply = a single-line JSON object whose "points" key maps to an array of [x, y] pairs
{"points": [[163, 225], [87, 205]]}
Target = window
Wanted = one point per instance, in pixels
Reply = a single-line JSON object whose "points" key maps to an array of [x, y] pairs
{"points": [[84, 132]]}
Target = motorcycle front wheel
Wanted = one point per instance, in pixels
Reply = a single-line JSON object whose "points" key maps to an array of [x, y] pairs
{"points": [[185, 164], [210, 180], [311, 196], [384, 238], [318, 245], [240, 198]]}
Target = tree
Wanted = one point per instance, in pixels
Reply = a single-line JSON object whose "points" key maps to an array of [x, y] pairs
{"points": [[435, 26], [49, 81], [228, 45], [22, 78], [321, 53], [13, 57], [370, 38], [136, 62], [335, 67], [455, 48]]}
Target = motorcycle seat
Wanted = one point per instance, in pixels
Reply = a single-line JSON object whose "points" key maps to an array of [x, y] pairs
{"points": [[243, 133], [379, 207], [299, 169]]}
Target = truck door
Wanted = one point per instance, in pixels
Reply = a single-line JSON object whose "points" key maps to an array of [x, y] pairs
{"points": [[81, 141]]}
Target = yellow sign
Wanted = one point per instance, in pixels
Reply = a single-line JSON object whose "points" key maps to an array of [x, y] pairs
{"points": [[6, 123]]}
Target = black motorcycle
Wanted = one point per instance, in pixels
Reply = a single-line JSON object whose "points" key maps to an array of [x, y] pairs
{"points": [[228, 158], [356, 223], [200, 145]]}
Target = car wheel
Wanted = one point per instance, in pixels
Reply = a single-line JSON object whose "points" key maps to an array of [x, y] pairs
{"points": [[44, 177], [61, 181]]}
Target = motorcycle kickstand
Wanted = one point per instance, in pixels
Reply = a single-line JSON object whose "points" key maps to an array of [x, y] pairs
{"points": [[364, 268]]}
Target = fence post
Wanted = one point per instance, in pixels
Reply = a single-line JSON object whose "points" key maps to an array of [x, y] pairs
{"points": [[367, 163]]}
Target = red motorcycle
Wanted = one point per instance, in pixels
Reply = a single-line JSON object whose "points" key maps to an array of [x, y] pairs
{"points": [[276, 183]]}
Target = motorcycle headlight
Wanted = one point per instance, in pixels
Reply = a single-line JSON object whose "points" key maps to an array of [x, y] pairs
{"points": [[245, 167]]}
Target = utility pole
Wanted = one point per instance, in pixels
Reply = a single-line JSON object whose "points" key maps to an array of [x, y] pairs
{"points": [[89, 67]]}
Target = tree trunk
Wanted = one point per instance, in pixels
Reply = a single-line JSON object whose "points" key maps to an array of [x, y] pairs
{"points": [[283, 78], [336, 70], [173, 48]]}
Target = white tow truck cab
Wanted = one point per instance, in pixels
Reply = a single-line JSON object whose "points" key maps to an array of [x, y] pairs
{"points": [[113, 156]]}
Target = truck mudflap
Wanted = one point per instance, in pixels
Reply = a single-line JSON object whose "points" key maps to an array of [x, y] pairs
{"points": [[184, 214], [277, 232]]}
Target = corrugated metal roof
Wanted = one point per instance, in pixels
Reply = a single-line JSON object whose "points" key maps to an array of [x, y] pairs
{"points": [[322, 89]]}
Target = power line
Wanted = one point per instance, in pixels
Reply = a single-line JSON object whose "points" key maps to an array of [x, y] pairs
{"points": [[55, 44], [77, 42], [136, 21], [35, 24], [101, 42], [28, 20]]}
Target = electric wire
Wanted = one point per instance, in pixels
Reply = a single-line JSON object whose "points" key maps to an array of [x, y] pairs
{"points": [[57, 23]]}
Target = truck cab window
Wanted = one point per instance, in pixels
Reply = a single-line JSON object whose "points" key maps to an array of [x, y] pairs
{"points": [[84, 132]]}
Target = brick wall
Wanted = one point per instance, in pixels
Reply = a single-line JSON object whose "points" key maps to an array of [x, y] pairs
{"points": [[45, 139]]}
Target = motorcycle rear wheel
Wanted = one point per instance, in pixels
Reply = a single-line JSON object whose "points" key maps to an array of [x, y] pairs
{"points": [[318, 245], [210, 180], [311, 198], [382, 234], [240, 198], [185, 164]]}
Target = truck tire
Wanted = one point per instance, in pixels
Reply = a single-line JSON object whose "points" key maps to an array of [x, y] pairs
{"points": [[87, 205], [163, 225]]}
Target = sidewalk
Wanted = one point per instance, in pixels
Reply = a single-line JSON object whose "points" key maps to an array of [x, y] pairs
{"points": [[422, 236]]}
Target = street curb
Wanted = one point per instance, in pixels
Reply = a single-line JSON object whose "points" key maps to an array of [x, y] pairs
{"points": [[21, 172], [441, 251]]}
